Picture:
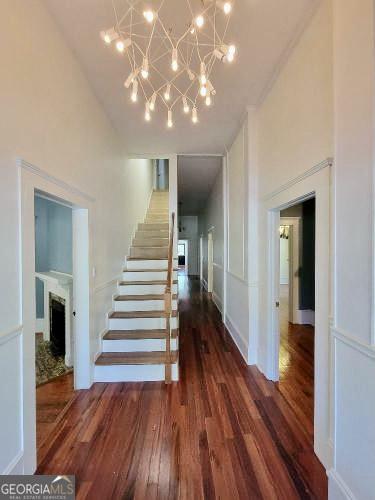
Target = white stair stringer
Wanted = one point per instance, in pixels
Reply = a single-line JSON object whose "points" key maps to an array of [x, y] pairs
{"points": [[134, 347]]}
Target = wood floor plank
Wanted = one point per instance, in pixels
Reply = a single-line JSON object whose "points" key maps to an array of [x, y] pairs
{"points": [[222, 432]]}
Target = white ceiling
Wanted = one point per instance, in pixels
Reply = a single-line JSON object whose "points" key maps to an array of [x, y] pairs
{"points": [[261, 29], [196, 176]]}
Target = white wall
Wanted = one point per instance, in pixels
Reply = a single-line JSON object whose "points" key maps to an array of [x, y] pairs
{"points": [[189, 225], [213, 219], [294, 131], [236, 266], [353, 472], [51, 118]]}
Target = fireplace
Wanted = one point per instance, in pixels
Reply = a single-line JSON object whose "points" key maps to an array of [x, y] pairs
{"points": [[57, 324]]}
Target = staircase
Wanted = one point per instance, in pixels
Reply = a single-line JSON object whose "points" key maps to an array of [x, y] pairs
{"points": [[141, 343]]}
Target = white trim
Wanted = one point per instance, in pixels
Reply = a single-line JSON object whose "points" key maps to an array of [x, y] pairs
{"points": [[349, 340], [217, 301], [242, 280], [244, 166], [205, 284], [236, 336], [15, 466], [10, 334], [307, 173], [50, 178], [107, 284], [219, 266], [301, 188], [338, 489]]}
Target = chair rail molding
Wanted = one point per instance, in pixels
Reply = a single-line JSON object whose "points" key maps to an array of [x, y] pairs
{"points": [[8, 335]]}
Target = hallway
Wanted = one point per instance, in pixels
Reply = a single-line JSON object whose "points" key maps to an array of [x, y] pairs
{"points": [[222, 432]]}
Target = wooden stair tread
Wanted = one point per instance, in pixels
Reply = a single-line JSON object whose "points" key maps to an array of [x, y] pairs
{"points": [[139, 314], [150, 296], [135, 358], [137, 334], [151, 282]]}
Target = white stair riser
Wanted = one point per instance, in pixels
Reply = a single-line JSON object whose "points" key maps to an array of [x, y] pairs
{"points": [[149, 252], [147, 275], [147, 264], [137, 345], [144, 289], [140, 323], [141, 305], [132, 373]]}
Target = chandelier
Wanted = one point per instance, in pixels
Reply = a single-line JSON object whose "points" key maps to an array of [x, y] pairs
{"points": [[171, 54]]}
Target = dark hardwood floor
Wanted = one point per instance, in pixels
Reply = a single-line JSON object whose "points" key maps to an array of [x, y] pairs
{"points": [[223, 431], [296, 365], [52, 399]]}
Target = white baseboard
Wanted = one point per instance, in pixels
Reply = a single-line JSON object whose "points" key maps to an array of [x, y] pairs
{"points": [[305, 317], [217, 301], [337, 488], [236, 336]]}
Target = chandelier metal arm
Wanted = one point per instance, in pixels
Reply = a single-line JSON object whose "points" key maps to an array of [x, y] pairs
{"points": [[154, 49]]}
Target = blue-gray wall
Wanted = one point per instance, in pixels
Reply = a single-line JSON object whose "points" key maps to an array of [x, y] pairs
{"points": [[53, 243]]}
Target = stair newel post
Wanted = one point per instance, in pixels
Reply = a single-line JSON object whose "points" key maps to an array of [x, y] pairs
{"points": [[168, 305]]}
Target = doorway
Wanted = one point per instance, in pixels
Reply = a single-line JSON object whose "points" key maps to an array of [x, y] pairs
{"points": [[297, 309], [183, 257], [314, 185], [35, 182], [54, 335]]}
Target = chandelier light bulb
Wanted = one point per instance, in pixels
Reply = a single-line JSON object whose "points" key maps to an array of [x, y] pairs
{"points": [[167, 93], [147, 112], [170, 121], [174, 59], [120, 46], [192, 30], [144, 71], [152, 102], [149, 15], [208, 100], [203, 91], [109, 35], [134, 95], [199, 21], [227, 7], [186, 105], [194, 115]]}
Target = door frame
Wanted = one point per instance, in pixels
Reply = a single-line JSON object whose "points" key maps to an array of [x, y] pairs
{"points": [[33, 180], [294, 224], [315, 185]]}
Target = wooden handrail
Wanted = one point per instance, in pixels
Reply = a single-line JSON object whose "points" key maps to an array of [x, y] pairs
{"points": [[168, 304]]}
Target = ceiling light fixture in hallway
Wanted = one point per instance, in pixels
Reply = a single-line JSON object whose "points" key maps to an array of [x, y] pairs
{"points": [[172, 54]]}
